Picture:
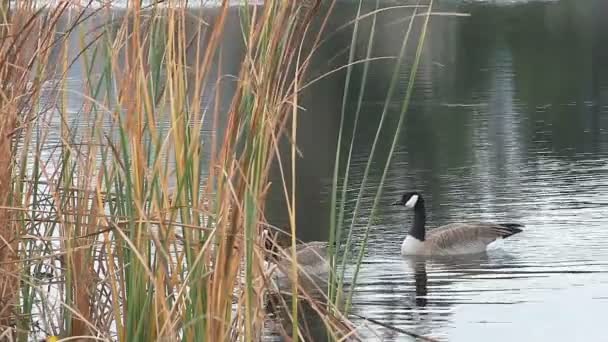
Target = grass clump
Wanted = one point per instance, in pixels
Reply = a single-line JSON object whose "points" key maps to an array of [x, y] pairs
{"points": [[120, 218]]}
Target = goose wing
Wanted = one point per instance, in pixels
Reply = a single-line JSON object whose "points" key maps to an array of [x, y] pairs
{"points": [[468, 237], [310, 253], [312, 264]]}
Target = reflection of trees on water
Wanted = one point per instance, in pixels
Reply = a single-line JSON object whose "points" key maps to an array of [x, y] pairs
{"points": [[499, 91]]}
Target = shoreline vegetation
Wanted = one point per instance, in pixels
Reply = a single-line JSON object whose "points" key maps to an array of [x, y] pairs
{"points": [[120, 218]]}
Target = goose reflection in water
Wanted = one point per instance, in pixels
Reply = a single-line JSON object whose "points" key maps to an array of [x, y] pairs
{"points": [[419, 294]]}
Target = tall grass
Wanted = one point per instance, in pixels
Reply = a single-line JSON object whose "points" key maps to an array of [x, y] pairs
{"points": [[25, 44], [119, 219], [134, 226], [339, 260]]}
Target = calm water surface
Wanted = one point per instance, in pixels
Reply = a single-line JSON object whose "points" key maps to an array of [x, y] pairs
{"points": [[508, 122]]}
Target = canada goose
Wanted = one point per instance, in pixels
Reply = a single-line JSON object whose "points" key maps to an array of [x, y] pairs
{"points": [[312, 263], [450, 239]]}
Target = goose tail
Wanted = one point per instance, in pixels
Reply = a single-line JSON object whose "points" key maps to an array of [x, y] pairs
{"points": [[509, 229]]}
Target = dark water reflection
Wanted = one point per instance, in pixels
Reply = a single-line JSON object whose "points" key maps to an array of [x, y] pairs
{"points": [[509, 121]]}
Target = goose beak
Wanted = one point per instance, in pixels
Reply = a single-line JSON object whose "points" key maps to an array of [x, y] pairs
{"points": [[398, 203]]}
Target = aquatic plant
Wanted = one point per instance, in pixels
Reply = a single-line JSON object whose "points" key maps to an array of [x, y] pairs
{"points": [[121, 216]]}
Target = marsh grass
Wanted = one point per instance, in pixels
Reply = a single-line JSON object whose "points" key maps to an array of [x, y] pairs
{"points": [[119, 220], [134, 226], [340, 254]]}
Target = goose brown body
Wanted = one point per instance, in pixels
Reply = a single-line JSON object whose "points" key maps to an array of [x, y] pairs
{"points": [[311, 261], [450, 239]]}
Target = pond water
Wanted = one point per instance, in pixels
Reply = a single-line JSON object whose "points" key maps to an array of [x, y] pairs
{"points": [[508, 122]]}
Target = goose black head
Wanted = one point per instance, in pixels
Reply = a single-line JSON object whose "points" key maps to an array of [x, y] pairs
{"points": [[410, 200]]}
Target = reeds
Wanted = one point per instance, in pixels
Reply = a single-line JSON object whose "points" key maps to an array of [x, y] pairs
{"points": [[134, 226], [340, 254], [25, 46], [119, 219]]}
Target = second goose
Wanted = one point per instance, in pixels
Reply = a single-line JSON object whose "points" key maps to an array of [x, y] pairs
{"points": [[311, 260], [450, 239]]}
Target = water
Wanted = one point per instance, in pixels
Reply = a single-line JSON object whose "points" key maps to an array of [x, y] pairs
{"points": [[508, 122]]}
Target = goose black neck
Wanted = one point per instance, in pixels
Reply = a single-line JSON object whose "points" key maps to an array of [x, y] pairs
{"points": [[418, 231]]}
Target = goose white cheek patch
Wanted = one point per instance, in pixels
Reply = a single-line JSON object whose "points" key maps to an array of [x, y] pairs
{"points": [[412, 201]]}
